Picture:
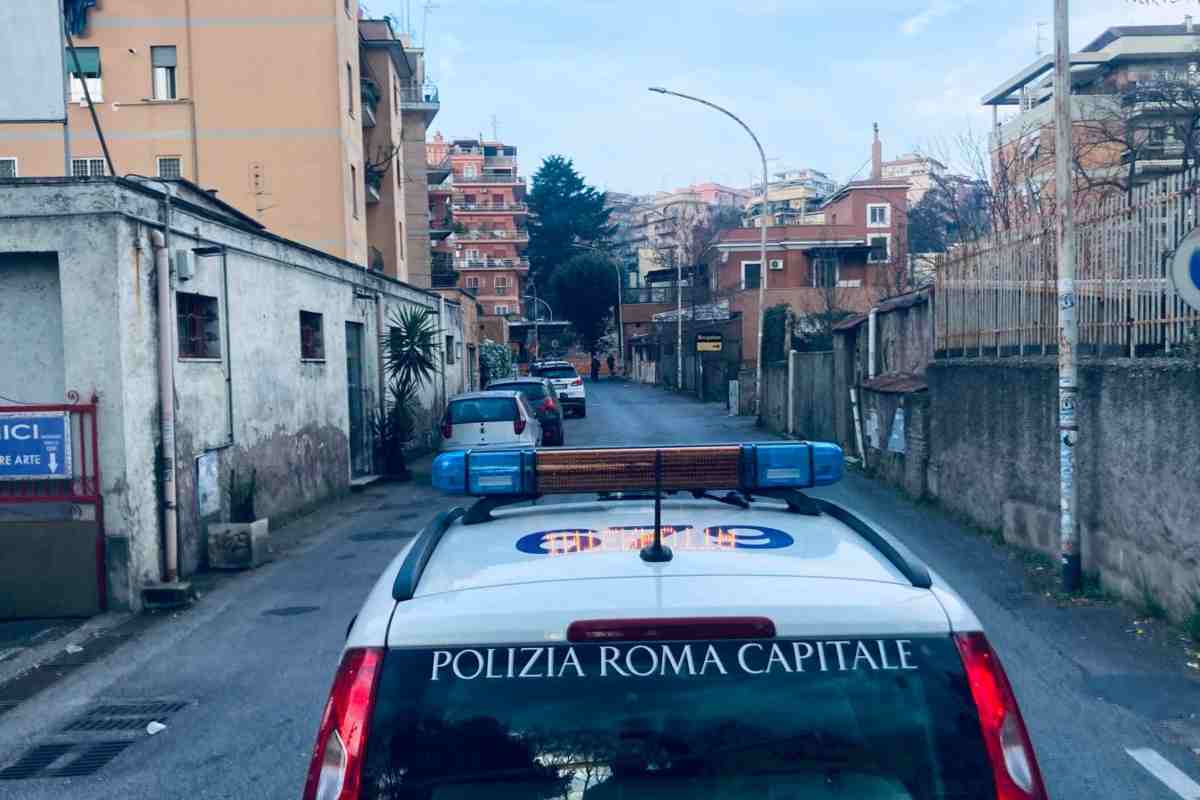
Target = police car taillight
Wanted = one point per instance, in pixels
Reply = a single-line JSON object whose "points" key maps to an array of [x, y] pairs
{"points": [[670, 629], [335, 772], [749, 467], [1014, 764]]}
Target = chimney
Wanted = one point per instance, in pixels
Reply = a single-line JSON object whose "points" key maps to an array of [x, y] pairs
{"points": [[876, 156]]}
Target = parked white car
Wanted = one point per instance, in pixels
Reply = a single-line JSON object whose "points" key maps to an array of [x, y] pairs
{"points": [[487, 419], [567, 383]]}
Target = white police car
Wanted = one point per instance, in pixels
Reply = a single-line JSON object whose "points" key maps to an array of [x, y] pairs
{"points": [[752, 642]]}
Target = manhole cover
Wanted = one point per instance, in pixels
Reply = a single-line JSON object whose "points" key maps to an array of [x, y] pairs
{"points": [[290, 611], [382, 536]]}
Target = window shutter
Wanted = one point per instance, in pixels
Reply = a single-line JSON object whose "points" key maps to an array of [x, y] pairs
{"points": [[89, 61], [162, 56]]}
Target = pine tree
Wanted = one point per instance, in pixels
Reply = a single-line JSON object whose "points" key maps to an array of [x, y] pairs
{"points": [[565, 213]]}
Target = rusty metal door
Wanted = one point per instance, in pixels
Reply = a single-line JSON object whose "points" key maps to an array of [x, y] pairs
{"points": [[360, 435]]}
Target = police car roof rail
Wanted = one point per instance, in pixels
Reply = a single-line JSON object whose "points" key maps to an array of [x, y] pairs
{"points": [[908, 564], [405, 585]]}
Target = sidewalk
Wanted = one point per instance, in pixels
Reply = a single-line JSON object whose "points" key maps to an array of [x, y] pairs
{"points": [[37, 653]]}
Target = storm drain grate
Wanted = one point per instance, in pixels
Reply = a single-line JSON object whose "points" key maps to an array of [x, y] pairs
{"points": [[94, 756], [36, 760], [382, 536], [139, 709], [73, 760], [109, 723]]}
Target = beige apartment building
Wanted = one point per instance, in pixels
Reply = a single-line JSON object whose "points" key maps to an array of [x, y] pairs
{"points": [[297, 112]]}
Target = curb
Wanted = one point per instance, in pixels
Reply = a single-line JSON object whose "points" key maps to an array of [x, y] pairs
{"points": [[33, 657]]}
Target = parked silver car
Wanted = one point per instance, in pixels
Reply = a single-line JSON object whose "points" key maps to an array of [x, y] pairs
{"points": [[492, 418]]}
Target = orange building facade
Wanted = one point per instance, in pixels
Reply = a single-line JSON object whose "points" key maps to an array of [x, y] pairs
{"points": [[477, 220], [284, 108]]}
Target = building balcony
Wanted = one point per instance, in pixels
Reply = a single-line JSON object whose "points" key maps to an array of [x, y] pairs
{"points": [[436, 173], [373, 183], [489, 179], [500, 162], [649, 294], [442, 187], [516, 264], [423, 98], [376, 260], [516, 236], [440, 228], [491, 208]]}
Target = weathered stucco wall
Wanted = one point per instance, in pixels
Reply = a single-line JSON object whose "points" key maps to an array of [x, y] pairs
{"points": [[994, 458], [31, 323], [258, 405]]}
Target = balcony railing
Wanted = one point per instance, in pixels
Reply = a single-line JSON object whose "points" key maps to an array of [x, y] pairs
{"points": [[491, 263], [493, 236], [489, 178], [500, 162], [423, 97], [649, 294], [485, 207]]}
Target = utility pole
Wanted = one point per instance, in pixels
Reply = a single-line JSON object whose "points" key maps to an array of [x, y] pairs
{"points": [[1068, 330]]}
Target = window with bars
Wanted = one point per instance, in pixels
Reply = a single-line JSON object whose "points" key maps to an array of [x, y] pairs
{"points": [[877, 215], [8, 168], [472, 281], [87, 167], [502, 284], [170, 167], [199, 325], [501, 309], [312, 336]]}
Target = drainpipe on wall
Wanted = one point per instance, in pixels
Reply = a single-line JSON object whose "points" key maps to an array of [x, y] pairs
{"points": [[379, 346], [166, 398], [871, 343], [442, 334]]}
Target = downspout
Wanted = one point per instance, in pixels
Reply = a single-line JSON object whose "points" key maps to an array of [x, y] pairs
{"points": [[442, 366], [160, 242], [191, 60], [871, 343], [379, 345]]}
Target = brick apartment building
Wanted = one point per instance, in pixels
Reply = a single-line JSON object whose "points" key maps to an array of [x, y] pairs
{"points": [[291, 110], [478, 214], [851, 255]]}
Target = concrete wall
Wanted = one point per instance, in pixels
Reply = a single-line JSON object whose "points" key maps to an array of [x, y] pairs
{"points": [[901, 459], [995, 460], [290, 417], [31, 324]]}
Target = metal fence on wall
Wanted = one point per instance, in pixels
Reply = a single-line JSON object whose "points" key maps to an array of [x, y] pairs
{"points": [[998, 296]]}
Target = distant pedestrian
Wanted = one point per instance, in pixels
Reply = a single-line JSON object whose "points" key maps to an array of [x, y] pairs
{"points": [[484, 376], [612, 366], [595, 367]]}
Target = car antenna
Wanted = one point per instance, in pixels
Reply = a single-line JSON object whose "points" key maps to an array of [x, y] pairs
{"points": [[655, 552]]}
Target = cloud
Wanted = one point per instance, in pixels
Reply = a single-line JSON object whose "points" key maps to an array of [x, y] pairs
{"points": [[918, 22]]}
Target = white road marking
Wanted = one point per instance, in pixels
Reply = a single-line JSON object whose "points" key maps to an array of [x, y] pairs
{"points": [[1166, 772]]}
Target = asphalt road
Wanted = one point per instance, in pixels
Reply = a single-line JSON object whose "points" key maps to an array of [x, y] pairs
{"points": [[253, 660]]}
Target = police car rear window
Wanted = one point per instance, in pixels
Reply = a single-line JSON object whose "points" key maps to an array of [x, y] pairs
{"points": [[483, 409], [864, 719], [558, 372]]}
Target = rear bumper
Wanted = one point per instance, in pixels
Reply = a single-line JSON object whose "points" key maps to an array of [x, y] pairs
{"points": [[573, 402]]}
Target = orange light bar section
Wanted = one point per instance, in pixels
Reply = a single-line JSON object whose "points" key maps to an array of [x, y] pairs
{"points": [[632, 469]]}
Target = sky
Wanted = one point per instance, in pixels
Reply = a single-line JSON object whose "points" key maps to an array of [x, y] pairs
{"points": [[570, 77]]}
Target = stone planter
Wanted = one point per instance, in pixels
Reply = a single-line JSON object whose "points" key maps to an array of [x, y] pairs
{"points": [[238, 545]]}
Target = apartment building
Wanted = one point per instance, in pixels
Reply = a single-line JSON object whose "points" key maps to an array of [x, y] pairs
{"points": [[1135, 98], [478, 212], [853, 254], [297, 112], [790, 196], [921, 172]]}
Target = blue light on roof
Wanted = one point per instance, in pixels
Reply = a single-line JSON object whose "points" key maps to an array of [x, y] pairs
{"points": [[790, 465], [828, 462], [484, 472]]}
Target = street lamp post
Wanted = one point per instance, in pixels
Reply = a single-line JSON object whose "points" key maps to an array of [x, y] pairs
{"points": [[762, 242]]}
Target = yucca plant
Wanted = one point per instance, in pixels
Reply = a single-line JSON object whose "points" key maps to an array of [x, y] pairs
{"points": [[411, 349]]}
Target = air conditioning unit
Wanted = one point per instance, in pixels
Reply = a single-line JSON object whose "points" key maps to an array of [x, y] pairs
{"points": [[776, 263]]}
